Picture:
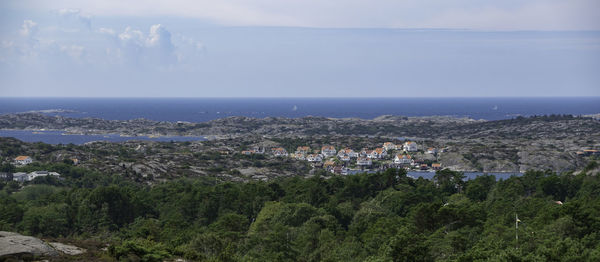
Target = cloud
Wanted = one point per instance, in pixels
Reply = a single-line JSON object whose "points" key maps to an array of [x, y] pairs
{"points": [[107, 31], [29, 28], [132, 48], [73, 51], [70, 15]]}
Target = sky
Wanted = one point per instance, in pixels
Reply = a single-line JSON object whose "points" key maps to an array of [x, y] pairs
{"points": [[299, 48]]}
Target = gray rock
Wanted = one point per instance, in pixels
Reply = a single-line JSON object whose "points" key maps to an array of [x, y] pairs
{"points": [[67, 249], [16, 245]]}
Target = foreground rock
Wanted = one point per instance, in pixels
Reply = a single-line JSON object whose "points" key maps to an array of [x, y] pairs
{"points": [[16, 245], [13, 245], [67, 249]]}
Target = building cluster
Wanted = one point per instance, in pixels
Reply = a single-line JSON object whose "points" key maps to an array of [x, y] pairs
{"points": [[24, 177], [341, 161]]}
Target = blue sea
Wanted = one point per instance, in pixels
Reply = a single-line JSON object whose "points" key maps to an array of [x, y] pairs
{"points": [[206, 109]]}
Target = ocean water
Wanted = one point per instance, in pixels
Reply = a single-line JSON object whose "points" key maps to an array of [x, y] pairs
{"points": [[57, 137], [206, 109]]}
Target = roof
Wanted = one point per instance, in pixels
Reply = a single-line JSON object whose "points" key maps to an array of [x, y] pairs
{"points": [[19, 158], [328, 148], [303, 148], [409, 142], [379, 150], [436, 165], [403, 156]]}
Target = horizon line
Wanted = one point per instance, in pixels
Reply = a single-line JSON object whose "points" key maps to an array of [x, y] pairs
{"points": [[284, 97]]}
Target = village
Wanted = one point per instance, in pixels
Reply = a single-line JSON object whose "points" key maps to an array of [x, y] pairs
{"points": [[24, 176], [347, 161]]}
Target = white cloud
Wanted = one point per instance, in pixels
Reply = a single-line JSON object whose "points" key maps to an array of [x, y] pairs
{"points": [[73, 51], [70, 14], [108, 31], [29, 28], [131, 47]]}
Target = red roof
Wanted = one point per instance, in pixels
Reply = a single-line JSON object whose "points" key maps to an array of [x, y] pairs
{"points": [[20, 158]]}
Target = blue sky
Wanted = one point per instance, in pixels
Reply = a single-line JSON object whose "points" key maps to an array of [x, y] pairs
{"points": [[263, 48]]}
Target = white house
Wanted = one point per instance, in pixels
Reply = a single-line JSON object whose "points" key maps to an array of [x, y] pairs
{"points": [[258, 150], [31, 176], [410, 146], [23, 160], [300, 156], [389, 146], [314, 158], [328, 151], [20, 177], [364, 161], [279, 151], [403, 159], [380, 152], [345, 158], [347, 152], [432, 150], [303, 150]]}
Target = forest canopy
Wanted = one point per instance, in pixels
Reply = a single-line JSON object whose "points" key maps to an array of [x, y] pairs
{"points": [[385, 216]]}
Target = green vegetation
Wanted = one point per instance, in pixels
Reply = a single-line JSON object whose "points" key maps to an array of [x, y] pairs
{"points": [[369, 217]]}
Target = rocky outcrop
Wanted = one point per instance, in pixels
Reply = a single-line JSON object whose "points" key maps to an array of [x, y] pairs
{"points": [[17, 246], [67, 249]]}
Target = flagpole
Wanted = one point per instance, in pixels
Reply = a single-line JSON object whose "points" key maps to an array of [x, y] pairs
{"points": [[517, 229]]}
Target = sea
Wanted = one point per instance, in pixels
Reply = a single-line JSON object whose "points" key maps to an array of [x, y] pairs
{"points": [[206, 109]]}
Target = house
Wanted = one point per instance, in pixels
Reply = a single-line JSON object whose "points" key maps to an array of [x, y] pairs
{"points": [[345, 158], [380, 152], [389, 146], [436, 166], [299, 156], [431, 150], [410, 146], [364, 161], [347, 151], [303, 150], [328, 151], [247, 152], [20, 177], [403, 159], [279, 151], [589, 152], [368, 153], [23, 160], [314, 158], [76, 161], [258, 150], [31, 176], [328, 164], [424, 167]]}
